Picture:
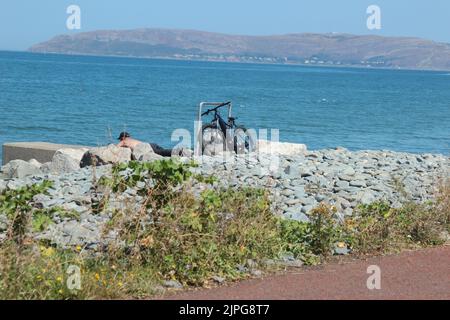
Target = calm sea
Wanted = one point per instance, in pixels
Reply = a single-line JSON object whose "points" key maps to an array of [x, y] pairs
{"points": [[89, 100]]}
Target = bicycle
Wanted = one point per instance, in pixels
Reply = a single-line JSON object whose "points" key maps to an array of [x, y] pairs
{"points": [[220, 135]]}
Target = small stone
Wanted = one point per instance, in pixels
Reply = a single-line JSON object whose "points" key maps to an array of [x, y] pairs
{"points": [[218, 279], [342, 184], [297, 215], [3, 222], [341, 248], [348, 212], [251, 263], [3, 185], [299, 192], [320, 197], [344, 177], [367, 197], [292, 201], [348, 171], [358, 184], [241, 268], [293, 263], [287, 192], [172, 284], [307, 209], [308, 201], [306, 172], [257, 273]]}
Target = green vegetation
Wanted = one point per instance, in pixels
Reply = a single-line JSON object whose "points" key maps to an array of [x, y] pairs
{"points": [[378, 228], [17, 206], [191, 236]]}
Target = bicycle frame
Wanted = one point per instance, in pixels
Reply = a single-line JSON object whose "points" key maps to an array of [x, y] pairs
{"points": [[221, 123], [211, 104]]}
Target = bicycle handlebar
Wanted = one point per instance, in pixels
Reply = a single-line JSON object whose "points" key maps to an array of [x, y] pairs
{"points": [[215, 109]]}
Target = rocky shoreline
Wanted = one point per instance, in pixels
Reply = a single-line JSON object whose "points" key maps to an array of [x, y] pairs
{"points": [[297, 183]]}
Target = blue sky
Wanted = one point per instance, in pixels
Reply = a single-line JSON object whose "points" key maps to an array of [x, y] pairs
{"points": [[25, 22]]}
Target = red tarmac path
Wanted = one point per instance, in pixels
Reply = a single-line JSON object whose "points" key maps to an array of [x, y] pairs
{"points": [[423, 274]]}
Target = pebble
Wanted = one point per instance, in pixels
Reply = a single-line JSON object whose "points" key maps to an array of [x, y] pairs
{"points": [[173, 284]]}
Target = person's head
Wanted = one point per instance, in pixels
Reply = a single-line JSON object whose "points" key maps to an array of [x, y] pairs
{"points": [[123, 135]]}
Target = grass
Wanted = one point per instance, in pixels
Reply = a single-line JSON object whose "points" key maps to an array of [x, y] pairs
{"points": [[190, 237], [377, 228]]}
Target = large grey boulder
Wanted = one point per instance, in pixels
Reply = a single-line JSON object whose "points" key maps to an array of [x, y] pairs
{"points": [[105, 155], [35, 163], [20, 169], [141, 149], [149, 157], [66, 160], [76, 154], [145, 153], [280, 148]]}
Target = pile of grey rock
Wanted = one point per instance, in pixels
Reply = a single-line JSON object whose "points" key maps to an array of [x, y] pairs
{"points": [[297, 181], [69, 160]]}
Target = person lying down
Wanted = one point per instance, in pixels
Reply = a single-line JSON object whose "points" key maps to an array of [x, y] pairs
{"points": [[126, 141]]}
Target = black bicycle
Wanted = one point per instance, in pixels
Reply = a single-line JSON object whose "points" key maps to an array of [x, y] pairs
{"points": [[220, 135]]}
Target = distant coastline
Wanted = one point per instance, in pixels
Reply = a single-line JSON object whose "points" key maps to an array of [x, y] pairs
{"points": [[307, 49], [358, 67]]}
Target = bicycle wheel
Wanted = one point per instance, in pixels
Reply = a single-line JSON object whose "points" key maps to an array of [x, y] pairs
{"points": [[213, 140], [243, 141]]}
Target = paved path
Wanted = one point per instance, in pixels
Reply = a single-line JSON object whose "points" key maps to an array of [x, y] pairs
{"points": [[423, 274]]}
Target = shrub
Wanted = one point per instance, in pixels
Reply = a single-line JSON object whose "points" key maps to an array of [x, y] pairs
{"points": [[17, 206], [378, 228], [443, 203], [192, 239], [34, 271]]}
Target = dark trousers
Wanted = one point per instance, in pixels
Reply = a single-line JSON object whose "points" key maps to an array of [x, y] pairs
{"points": [[161, 151]]}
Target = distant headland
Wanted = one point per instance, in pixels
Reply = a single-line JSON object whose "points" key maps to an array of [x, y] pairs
{"points": [[330, 49]]}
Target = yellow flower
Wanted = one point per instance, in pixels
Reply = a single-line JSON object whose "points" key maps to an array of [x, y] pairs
{"points": [[78, 248], [341, 244], [59, 279], [147, 242], [60, 291], [120, 284], [97, 276], [47, 252]]}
